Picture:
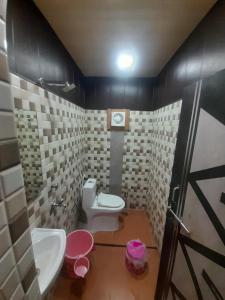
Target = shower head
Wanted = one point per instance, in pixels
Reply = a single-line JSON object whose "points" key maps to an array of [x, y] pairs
{"points": [[68, 87]]}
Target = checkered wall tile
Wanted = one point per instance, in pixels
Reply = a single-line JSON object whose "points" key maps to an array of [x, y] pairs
{"points": [[97, 162], [61, 133], [28, 138], [149, 147], [165, 123], [18, 275], [136, 159], [75, 143]]}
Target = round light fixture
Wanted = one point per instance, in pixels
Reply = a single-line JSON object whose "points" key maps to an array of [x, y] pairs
{"points": [[125, 61]]}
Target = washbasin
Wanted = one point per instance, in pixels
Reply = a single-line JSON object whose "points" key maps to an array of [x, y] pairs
{"points": [[49, 248]]}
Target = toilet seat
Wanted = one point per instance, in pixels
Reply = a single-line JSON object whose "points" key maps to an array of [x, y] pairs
{"points": [[110, 201]]}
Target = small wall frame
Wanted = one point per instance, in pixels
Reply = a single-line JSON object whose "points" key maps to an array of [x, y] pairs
{"points": [[118, 119]]}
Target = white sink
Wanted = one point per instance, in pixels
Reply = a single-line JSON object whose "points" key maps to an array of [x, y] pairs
{"points": [[49, 248]]}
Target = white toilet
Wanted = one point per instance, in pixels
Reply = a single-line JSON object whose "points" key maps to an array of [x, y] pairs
{"points": [[102, 210]]}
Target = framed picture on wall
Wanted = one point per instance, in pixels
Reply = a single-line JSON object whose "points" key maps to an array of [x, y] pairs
{"points": [[118, 119]]}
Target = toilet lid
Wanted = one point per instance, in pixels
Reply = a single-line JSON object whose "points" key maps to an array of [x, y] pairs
{"points": [[108, 200]]}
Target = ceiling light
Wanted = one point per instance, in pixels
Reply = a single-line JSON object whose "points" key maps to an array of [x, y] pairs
{"points": [[125, 61]]}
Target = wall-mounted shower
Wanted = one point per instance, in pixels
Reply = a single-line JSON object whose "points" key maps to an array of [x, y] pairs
{"points": [[66, 86]]}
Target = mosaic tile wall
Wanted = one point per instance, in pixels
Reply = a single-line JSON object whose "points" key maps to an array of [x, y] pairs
{"points": [[18, 276], [75, 143], [165, 123], [61, 130], [136, 159], [97, 162], [148, 156], [28, 138]]}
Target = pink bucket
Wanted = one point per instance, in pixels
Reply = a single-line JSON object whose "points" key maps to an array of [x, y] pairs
{"points": [[79, 244], [136, 258]]}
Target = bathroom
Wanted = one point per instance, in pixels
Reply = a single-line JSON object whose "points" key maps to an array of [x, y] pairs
{"points": [[112, 119]]}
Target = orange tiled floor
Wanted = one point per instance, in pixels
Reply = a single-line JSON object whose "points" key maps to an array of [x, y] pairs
{"points": [[108, 278], [134, 225]]}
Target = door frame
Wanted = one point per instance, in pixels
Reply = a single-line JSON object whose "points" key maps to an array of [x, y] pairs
{"points": [[183, 153]]}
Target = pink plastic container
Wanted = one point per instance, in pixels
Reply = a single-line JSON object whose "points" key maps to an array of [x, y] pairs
{"points": [[136, 258], [79, 244], [81, 267]]}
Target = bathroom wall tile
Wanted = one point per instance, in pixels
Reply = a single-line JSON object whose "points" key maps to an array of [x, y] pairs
{"points": [[7, 126], [7, 263], [11, 179], [18, 103], [136, 159], [1, 191], [14, 80], [3, 6], [25, 263], [5, 240], [74, 142], [6, 102], [15, 203], [33, 293], [97, 148], [29, 278], [3, 218], [61, 140], [35, 89], [23, 84], [2, 35], [22, 244], [10, 284], [28, 138], [9, 154], [18, 226], [164, 136], [4, 69], [19, 294]]}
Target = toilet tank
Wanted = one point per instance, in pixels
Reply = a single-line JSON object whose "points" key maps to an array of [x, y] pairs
{"points": [[89, 193]]}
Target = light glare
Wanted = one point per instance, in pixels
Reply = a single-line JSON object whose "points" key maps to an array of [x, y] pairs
{"points": [[125, 61]]}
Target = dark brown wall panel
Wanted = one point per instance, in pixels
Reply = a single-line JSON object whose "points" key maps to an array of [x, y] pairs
{"points": [[35, 51], [134, 94], [201, 55]]}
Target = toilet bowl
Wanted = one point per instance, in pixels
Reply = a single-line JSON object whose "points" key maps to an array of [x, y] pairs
{"points": [[102, 210]]}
